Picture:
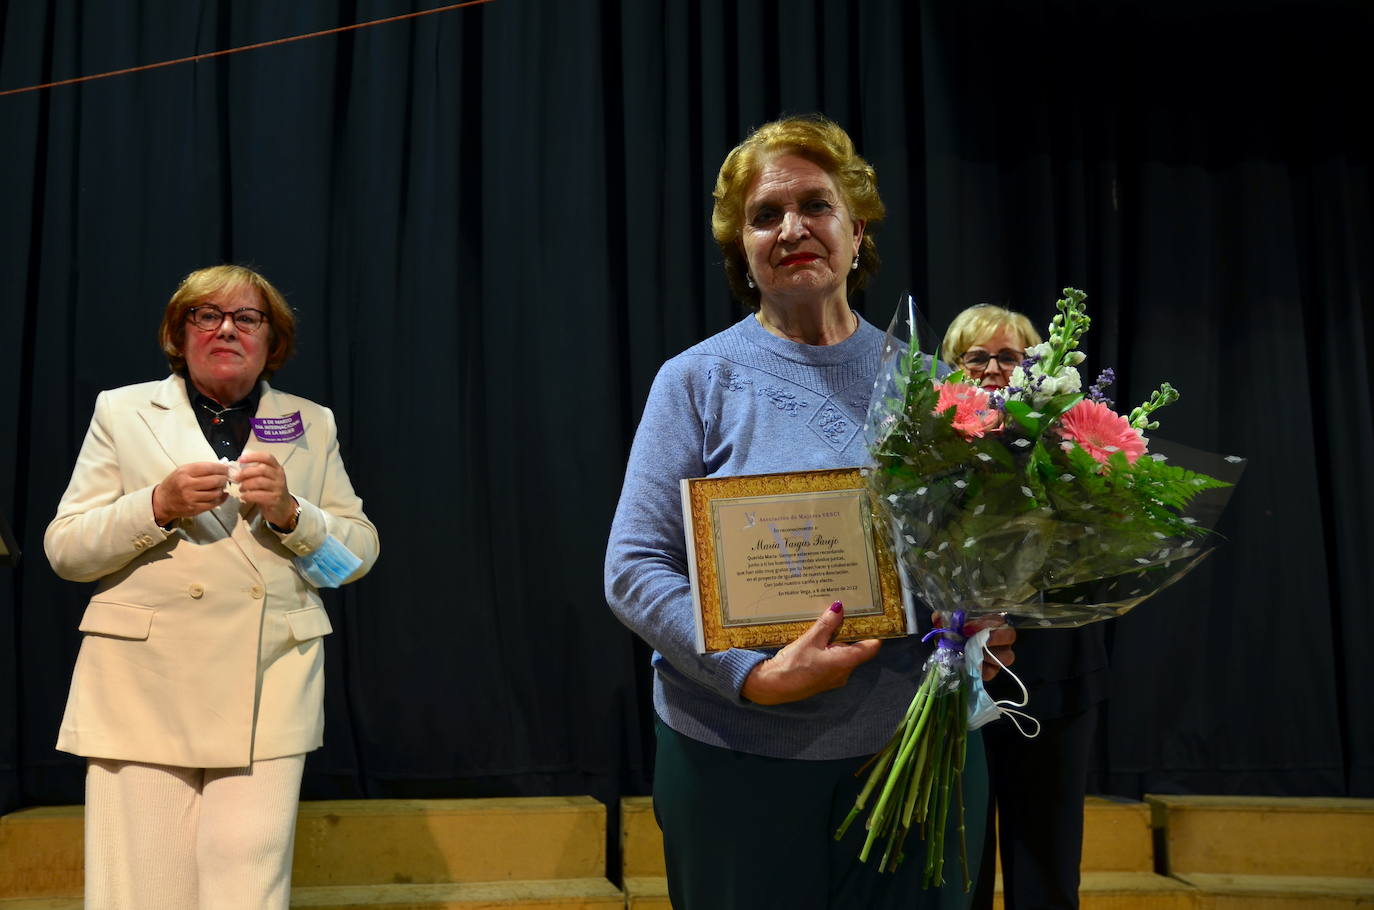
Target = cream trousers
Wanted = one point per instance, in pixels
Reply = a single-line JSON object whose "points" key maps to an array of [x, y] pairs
{"points": [[166, 838]]}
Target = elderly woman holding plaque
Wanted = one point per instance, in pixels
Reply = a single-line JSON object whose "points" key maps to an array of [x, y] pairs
{"points": [[208, 507], [758, 749]]}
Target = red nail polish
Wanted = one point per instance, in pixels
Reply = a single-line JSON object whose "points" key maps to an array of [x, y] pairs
{"points": [[837, 607]]}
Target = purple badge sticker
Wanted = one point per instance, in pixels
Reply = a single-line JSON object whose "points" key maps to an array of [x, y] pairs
{"points": [[279, 429]]}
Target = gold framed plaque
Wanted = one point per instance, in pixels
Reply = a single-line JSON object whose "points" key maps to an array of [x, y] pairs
{"points": [[768, 552]]}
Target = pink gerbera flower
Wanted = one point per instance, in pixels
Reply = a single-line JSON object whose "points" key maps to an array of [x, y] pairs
{"points": [[973, 412], [1100, 431]]}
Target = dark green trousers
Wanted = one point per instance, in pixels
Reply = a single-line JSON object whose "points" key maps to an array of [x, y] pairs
{"points": [[748, 832]]}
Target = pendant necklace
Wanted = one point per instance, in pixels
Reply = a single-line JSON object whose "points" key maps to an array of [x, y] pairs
{"points": [[216, 417]]}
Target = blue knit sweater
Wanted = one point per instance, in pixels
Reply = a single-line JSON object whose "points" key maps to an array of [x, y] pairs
{"points": [[746, 402]]}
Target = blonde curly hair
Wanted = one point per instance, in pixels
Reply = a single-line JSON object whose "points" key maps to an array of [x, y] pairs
{"points": [[978, 322], [203, 284], [819, 140]]}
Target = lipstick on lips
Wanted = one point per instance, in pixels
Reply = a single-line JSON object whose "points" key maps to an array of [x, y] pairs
{"points": [[798, 258]]}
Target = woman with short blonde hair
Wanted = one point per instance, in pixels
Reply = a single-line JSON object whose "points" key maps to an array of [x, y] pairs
{"points": [[979, 325], [209, 507]]}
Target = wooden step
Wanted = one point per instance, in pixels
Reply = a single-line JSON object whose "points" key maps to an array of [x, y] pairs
{"points": [[41, 853], [1282, 892], [1118, 859], [1098, 891], [641, 856], [641, 841], [566, 894], [647, 893], [1133, 891], [1266, 836], [1117, 836], [359, 842], [376, 842], [571, 894]]}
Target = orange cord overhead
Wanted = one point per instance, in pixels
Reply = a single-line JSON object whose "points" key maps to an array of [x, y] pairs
{"points": [[246, 47]]}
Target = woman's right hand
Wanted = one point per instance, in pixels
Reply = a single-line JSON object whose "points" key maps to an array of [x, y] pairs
{"points": [[810, 665], [189, 490]]}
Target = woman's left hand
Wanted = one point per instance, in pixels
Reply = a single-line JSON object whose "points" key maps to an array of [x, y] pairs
{"points": [[262, 482]]}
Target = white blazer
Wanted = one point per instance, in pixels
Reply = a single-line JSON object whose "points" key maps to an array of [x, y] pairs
{"points": [[202, 645]]}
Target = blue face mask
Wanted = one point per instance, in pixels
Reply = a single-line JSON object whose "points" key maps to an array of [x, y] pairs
{"points": [[329, 566], [982, 709]]}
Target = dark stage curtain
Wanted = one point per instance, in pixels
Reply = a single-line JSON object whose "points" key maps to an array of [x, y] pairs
{"points": [[493, 225]]}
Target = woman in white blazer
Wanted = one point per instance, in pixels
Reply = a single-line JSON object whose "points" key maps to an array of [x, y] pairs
{"points": [[208, 507]]}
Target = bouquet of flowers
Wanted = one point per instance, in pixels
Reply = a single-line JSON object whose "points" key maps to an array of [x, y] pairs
{"points": [[1038, 501]]}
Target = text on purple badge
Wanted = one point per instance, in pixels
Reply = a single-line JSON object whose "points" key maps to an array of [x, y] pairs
{"points": [[288, 428]]}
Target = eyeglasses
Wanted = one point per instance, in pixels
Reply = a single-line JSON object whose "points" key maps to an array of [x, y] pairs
{"points": [[1006, 359], [209, 318]]}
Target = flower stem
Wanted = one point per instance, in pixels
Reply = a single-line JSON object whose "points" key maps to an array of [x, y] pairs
{"points": [[920, 771], [883, 759], [912, 735]]}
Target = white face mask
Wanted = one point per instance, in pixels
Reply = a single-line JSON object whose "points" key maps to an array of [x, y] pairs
{"points": [[329, 566], [982, 709]]}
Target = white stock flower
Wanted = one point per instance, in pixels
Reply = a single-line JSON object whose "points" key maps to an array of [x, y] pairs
{"points": [[1067, 381]]}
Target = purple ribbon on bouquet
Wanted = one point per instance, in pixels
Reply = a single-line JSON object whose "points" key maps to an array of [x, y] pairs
{"points": [[951, 639]]}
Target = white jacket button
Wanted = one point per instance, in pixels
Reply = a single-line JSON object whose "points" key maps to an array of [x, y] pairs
{"points": [[255, 591], [196, 590]]}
